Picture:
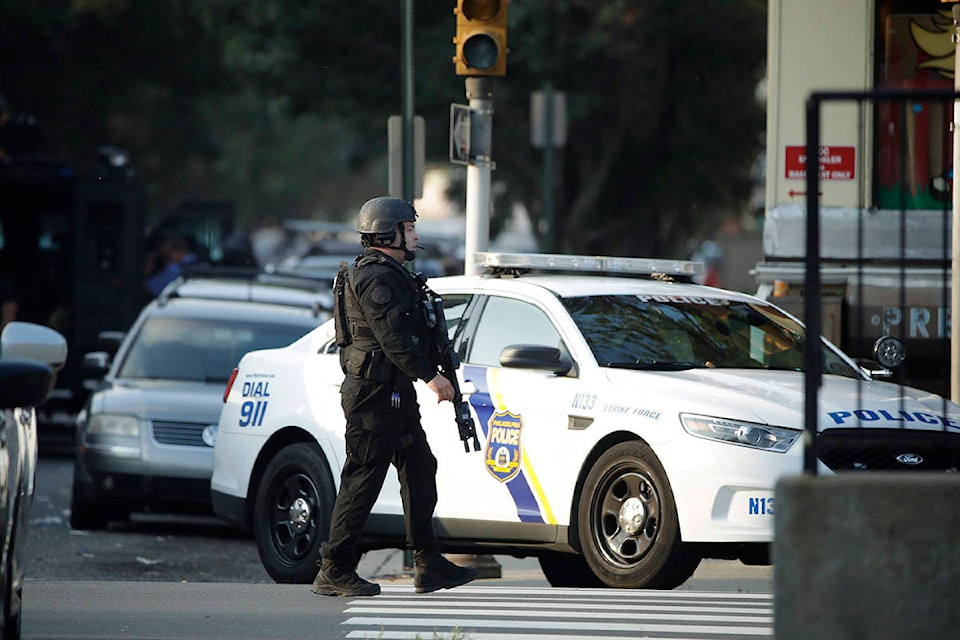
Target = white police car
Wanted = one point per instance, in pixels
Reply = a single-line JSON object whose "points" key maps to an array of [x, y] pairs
{"points": [[629, 426]]}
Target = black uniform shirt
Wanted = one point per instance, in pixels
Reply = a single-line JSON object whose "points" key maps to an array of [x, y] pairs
{"points": [[391, 304]]}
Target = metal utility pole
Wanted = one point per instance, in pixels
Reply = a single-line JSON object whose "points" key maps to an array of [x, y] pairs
{"points": [[407, 145], [408, 109], [548, 131], [480, 96], [955, 235], [481, 55]]}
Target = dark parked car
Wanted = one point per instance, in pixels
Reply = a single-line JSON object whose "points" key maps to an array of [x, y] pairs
{"points": [[30, 355]]}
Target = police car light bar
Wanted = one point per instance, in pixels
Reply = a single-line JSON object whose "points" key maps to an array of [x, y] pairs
{"points": [[606, 264]]}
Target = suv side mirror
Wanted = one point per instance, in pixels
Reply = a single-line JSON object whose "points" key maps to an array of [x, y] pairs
{"points": [[109, 341], [95, 365]]}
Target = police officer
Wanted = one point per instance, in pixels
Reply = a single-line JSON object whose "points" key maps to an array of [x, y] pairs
{"points": [[382, 329]]}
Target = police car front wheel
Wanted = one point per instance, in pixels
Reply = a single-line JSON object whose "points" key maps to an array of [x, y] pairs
{"points": [[628, 525], [292, 512]]}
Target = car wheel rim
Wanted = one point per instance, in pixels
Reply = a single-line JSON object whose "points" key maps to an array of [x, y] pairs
{"points": [[293, 522], [627, 517]]}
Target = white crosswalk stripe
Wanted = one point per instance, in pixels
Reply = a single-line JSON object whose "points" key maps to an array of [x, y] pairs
{"points": [[517, 613]]}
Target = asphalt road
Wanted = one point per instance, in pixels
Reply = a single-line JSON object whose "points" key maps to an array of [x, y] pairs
{"points": [[148, 548], [164, 548], [160, 577]]}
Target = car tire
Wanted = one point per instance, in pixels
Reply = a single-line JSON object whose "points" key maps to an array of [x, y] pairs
{"points": [[292, 513], [628, 524], [86, 514], [11, 621], [568, 570]]}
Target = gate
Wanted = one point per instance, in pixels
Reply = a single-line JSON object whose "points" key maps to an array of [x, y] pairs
{"points": [[897, 263]]}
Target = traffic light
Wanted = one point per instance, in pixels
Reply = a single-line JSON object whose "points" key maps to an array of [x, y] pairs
{"points": [[481, 37]]}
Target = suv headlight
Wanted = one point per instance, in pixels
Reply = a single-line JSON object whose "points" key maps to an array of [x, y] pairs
{"points": [[112, 424], [747, 434]]}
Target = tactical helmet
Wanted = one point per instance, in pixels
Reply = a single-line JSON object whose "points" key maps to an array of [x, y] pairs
{"points": [[381, 216]]}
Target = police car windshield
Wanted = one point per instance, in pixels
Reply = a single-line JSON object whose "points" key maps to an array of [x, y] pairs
{"points": [[667, 333]]}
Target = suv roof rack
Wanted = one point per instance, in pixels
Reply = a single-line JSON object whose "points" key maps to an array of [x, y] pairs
{"points": [[250, 285], [515, 264], [254, 275]]}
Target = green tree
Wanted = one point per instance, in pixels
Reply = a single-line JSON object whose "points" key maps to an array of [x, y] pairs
{"points": [[663, 119], [282, 105]]}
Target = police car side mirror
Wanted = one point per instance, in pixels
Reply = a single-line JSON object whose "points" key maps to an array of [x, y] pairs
{"points": [[534, 356]]}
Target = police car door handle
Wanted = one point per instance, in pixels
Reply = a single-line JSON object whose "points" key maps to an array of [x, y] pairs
{"points": [[468, 388]]}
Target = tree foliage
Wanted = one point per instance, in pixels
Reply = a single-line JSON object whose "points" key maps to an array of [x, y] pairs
{"points": [[282, 105]]}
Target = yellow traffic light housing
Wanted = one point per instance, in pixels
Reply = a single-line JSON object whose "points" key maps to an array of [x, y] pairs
{"points": [[481, 38]]}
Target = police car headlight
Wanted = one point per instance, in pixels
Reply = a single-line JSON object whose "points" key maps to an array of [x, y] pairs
{"points": [[112, 424], [747, 434]]}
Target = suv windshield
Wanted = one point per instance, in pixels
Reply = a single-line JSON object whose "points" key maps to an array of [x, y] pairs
{"points": [[197, 349], [685, 332]]}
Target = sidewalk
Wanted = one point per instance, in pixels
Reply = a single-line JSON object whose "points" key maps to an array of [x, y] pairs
{"points": [[386, 567]]}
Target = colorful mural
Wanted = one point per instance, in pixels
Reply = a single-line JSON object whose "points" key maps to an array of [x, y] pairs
{"points": [[914, 149]]}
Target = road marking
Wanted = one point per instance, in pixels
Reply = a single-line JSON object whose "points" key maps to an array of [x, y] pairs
{"points": [[517, 613]]}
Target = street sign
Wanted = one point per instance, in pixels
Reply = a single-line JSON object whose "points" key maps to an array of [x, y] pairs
{"points": [[836, 163], [395, 155], [460, 116], [556, 134]]}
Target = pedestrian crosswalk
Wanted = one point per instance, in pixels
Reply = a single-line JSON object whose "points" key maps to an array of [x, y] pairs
{"points": [[518, 613]]}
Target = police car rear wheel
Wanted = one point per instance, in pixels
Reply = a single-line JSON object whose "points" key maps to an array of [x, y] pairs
{"points": [[292, 513], [629, 530]]}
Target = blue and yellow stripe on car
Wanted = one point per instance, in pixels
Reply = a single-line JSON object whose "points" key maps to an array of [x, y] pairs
{"points": [[525, 488]]}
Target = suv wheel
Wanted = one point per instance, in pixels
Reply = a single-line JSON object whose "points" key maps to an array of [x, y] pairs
{"points": [[86, 514]]}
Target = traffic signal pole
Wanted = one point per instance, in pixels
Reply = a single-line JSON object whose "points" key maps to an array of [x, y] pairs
{"points": [[955, 232], [481, 55], [408, 101], [480, 96]]}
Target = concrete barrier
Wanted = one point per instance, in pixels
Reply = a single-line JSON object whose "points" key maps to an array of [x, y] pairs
{"points": [[867, 556]]}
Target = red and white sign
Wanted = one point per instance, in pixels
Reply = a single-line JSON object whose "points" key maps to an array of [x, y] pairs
{"points": [[836, 163]]}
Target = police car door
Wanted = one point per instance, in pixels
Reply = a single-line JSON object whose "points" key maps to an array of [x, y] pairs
{"points": [[521, 423]]}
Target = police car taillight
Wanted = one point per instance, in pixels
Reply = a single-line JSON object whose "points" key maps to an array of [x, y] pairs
{"points": [[605, 264], [233, 376]]}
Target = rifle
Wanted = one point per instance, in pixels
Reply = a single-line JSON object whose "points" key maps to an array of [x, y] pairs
{"points": [[448, 362]]}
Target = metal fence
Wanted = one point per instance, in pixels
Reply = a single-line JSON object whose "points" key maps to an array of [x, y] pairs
{"points": [[904, 264]]}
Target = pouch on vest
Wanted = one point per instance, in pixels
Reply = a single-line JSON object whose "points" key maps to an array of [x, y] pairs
{"points": [[371, 365], [340, 307], [353, 361]]}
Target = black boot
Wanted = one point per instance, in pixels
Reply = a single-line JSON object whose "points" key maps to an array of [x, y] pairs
{"points": [[340, 580], [436, 572]]}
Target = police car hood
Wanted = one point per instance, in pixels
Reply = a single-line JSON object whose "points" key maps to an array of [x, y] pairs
{"points": [[175, 401], [777, 398]]}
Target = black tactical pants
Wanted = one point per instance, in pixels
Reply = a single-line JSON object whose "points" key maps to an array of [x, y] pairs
{"points": [[380, 433]]}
